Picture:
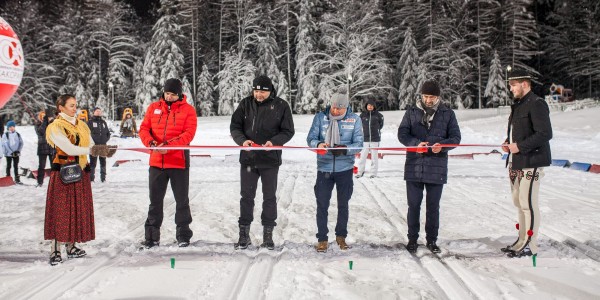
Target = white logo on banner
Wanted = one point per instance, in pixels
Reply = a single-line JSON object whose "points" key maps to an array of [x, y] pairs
{"points": [[11, 61]]}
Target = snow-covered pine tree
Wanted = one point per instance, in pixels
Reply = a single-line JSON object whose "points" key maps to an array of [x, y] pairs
{"points": [[496, 90], [282, 87], [187, 90], [481, 32], [354, 55], [521, 32], [422, 76], [123, 43], [416, 15], [206, 88], [267, 49], [408, 64], [235, 80], [164, 58], [306, 95]]}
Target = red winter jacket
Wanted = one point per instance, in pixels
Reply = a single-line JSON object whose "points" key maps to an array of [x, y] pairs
{"points": [[173, 126]]}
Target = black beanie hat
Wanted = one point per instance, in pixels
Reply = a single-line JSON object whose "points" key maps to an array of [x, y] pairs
{"points": [[430, 87], [174, 86], [262, 83]]}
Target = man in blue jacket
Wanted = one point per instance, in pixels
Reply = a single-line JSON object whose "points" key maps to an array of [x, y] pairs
{"points": [[428, 125], [337, 127]]}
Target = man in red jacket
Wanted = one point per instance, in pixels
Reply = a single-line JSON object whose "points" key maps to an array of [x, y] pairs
{"points": [[169, 122]]}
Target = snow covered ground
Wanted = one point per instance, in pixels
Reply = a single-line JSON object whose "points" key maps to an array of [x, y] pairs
{"points": [[477, 218]]}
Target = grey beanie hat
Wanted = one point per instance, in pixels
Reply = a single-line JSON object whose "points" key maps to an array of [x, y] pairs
{"points": [[340, 100]]}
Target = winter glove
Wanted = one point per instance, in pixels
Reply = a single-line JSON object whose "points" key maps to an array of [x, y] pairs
{"points": [[102, 151], [16, 154], [340, 150]]}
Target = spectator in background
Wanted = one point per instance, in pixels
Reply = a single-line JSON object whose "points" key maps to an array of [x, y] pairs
{"points": [[372, 123], [128, 126], [101, 135], [12, 144], [44, 151]]}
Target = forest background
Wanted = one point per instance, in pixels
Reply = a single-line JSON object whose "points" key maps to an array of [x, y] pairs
{"points": [[117, 54]]}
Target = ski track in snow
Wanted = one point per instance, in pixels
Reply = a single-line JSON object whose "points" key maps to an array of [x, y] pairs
{"points": [[56, 286], [449, 281], [476, 220]]}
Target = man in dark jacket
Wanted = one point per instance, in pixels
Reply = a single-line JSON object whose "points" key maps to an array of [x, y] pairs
{"points": [[372, 123], [101, 135], [528, 146], [44, 151], [428, 125], [265, 120]]}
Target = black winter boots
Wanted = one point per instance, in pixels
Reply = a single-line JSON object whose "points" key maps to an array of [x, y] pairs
{"points": [[268, 238], [244, 240]]}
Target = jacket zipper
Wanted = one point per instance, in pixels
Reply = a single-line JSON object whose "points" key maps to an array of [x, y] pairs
{"points": [[165, 134], [370, 116]]}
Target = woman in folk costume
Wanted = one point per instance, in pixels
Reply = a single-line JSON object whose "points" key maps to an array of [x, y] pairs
{"points": [[128, 126], [69, 206]]}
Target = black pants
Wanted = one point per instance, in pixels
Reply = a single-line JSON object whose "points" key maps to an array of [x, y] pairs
{"points": [[248, 185], [15, 163], [93, 160], [414, 193], [180, 184], [42, 166]]}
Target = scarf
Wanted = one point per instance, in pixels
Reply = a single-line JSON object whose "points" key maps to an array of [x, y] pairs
{"points": [[71, 128], [127, 123], [428, 112], [332, 137]]}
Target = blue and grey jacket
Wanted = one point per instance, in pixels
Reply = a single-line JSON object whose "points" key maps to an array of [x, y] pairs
{"points": [[11, 142], [351, 136]]}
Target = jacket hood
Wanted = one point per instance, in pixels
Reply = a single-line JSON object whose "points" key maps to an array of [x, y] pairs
{"points": [[372, 102]]}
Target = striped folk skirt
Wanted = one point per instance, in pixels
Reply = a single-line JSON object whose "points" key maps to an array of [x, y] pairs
{"points": [[69, 210]]}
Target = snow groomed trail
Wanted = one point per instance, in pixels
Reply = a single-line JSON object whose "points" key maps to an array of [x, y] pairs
{"points": [[477, 218]]}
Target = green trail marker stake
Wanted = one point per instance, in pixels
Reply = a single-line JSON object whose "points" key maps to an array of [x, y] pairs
{"points": [[534, 257], [350, 264], [172, 262]]}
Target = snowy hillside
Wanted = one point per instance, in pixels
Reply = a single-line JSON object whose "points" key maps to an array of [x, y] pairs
{"points": [[477, 218]]}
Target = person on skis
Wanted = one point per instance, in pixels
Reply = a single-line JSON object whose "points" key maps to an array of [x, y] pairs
{"points": [[528, 147], [169, 122], [429, 123], [336, 127], [261, 119]]}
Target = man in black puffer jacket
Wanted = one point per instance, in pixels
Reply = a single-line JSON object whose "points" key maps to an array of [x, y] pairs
{"points": [[101, 135], [261, 119], [372, 123], [528, 146], [430, 123]]}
